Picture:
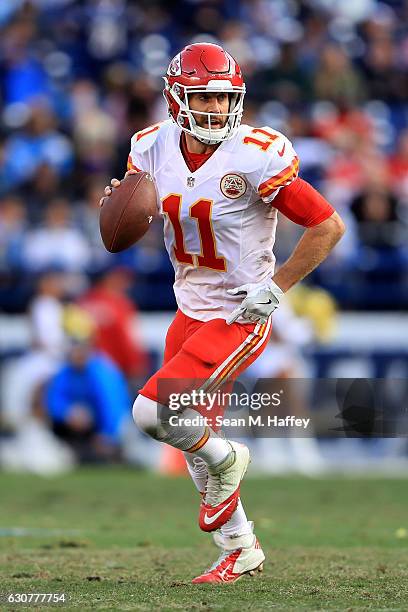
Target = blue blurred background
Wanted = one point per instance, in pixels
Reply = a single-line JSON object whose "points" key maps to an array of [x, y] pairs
{"points": [[81, 329]]}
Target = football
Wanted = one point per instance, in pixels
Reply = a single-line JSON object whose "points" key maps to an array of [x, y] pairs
{"points": [[127, 213]]}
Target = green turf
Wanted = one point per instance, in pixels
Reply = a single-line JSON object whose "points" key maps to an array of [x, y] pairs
{"points": [[331, 544]]}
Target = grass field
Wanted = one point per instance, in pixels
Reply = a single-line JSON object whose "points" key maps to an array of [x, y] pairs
{"points": [[116, 539]]}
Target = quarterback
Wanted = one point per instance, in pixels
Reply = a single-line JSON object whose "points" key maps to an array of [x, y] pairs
{"points": [[220, 186]]}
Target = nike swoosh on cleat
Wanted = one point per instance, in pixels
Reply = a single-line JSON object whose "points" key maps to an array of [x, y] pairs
{"points": [[209, 520], [229, 567], [281, 152]]}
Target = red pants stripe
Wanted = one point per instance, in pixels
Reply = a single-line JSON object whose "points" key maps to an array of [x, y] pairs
{"points": [[205, 355]]}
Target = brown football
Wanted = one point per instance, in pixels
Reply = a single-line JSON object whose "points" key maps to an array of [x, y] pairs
{"points": [[127, 213]]}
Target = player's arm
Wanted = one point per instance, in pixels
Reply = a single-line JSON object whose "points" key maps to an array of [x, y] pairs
{"points": [[313, 248], [301, 203]]}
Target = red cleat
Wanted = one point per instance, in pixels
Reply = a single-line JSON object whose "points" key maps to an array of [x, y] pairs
{"points": [[221, 495], [212, 518], [242, 555]]}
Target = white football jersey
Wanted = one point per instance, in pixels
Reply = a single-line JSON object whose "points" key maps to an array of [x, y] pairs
{"points": [[218, 231]]}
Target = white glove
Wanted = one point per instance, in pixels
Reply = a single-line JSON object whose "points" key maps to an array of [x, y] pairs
{"points": [[260, 301]]}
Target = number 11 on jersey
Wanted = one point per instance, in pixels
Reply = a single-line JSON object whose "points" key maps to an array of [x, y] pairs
{"points": [[201, 211]]}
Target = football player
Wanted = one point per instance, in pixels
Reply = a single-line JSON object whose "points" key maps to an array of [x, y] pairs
{"points": [[220, 186]]}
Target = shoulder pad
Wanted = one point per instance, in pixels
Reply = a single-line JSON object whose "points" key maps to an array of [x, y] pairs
{"points": [[262, 139], [266, 157], [254, 147], [145, 139]]}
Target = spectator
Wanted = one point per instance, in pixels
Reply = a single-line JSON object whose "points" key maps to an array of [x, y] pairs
{"points": [[381, 258], [44, 186], [378, 223], [24, 376], [47, 312], [57, 243], [116, 321], [386, 78], [398, 168], [94, 130], [13, 222], [24, 76], [336, 79], [39, 142], [87, 401], [285, 81]]}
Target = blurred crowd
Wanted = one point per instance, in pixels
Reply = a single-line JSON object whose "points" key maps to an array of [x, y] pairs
{"points": [[67, 397], [77, 79]]}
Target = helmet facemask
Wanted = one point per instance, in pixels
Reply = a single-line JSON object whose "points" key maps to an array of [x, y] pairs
{"points": [[185, 115]]}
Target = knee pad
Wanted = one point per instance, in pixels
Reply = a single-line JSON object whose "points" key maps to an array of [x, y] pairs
{"points": [[146, 416], [152, 418]]}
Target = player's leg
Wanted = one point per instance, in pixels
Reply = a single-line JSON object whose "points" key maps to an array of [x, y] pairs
{"points": [[197, 468], [181, 328], [204, 358], [212, 354], [238, 523], [241, 552]]}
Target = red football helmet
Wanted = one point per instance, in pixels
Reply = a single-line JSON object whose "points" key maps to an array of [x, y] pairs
{"points": [[204, 67]]}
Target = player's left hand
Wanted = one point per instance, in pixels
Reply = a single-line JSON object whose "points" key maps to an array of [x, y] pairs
{"points": [[260, 301]]}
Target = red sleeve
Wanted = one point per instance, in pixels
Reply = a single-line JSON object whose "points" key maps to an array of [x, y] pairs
{"points": [[302, 204]]}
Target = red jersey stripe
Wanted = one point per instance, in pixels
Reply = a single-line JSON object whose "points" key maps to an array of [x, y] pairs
{"points": [[288, 173]]}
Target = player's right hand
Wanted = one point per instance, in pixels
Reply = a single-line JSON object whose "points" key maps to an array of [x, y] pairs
{"points": [[114, 183]]}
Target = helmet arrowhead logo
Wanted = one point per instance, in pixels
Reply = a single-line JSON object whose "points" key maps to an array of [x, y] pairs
{"points": [[175, 66]]}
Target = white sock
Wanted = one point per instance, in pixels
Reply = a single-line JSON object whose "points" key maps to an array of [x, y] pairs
{"points": [[238, 523], [197, 469], [214, 450]]}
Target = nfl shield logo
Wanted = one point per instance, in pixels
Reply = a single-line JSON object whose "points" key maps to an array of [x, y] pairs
{"points": [[190, 181]]}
